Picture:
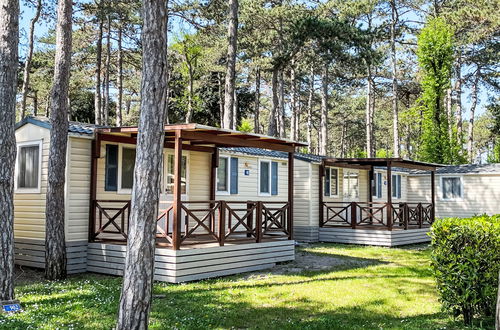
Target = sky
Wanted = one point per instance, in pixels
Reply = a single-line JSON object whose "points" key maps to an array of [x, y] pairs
{"points": [[42, 29]]}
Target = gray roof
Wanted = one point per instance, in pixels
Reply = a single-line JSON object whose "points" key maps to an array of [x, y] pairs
{"points": [[465, 169], [74, 127], [273, 154]]}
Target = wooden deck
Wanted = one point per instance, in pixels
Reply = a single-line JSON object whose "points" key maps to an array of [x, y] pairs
{"points": [[374, 236]]}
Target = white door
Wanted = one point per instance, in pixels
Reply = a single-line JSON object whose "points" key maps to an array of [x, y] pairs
{"points": [[351, 185]]}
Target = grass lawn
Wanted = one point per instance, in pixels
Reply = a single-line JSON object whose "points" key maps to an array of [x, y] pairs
{"points": [[370, 288]]}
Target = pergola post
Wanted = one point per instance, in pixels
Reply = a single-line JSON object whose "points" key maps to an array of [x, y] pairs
{"points": [[320, 196], [370, 188], [433, 195], [389, 195], [95, 154], [291, 157], [177, 204], [214, 164]]}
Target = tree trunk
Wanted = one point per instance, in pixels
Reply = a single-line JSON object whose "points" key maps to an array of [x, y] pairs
{"points": [[281, 105], [310, 111], [29, 57], [323, 145], [232, 32], [55, 241], [135, 300], [221, 99], [395, 112], [458, 97], [35, 103], [234, 122], [119, 78], [257, 102], [108, 67], [369, 114], [98, 95], [293, 105], [473, 106], [273, 130], [189, 114], [9, 40]]}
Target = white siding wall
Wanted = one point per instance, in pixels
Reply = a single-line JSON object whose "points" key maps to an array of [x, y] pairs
{"points": [[29, 209], [481, 194]]}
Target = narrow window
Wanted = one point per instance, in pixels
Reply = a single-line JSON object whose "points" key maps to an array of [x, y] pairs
{"points": [[265, 177], [234, 175], [334, 180], [170, 174], [222, 175], [274, 178], [327, 181], [377, 185], [396, 186], [29, 167], [127, 166], [111, 171], [452, 188]]}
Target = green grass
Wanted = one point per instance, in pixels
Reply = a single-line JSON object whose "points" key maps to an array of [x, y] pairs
{"points": [[373, 288]]}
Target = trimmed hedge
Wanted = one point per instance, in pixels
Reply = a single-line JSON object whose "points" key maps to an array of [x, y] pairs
{"points": [[466, 263]]}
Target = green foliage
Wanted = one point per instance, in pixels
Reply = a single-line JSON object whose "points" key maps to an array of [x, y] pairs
{"points": [[435, 57], [466, 261], [245, 126]]}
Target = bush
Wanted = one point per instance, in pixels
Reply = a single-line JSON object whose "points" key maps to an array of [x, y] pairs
{"points": [[466, 263]]}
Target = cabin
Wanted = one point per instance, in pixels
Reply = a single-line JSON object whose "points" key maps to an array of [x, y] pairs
{"points": [[221, 211], [462, 191]]}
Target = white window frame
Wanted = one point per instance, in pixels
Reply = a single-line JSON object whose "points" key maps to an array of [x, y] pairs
{"points": [[376, 187], [337, 183], [166, 154], [20, 190], [441, 186], [120, 190], [270, 162], [228, 176], [400, 186]]}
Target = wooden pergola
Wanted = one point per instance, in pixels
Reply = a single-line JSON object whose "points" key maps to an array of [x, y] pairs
{"points": [[405, 210], [193, 137]]}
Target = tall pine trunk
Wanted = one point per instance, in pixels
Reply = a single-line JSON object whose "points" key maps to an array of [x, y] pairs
{"points": [[136, 295], [293, 105], [107, 100], [458, 97], [98, 69], [119, 78], [257, 102], [323, 145], [9, 40], [55, 240], [29, 57], [221, 98], [273, 129], [189, 114], [474, 94], [234, 122], [369, 114], [310, 105], [232, 35], [395, 112], [281, 105]]}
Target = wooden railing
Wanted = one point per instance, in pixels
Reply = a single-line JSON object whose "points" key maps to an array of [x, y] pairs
{"points": [[212, 221], [377, 214]]}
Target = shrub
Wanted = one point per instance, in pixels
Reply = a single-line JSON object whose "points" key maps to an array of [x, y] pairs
{"points": [[466, 262]]}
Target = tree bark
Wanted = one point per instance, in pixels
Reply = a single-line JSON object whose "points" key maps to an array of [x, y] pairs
{"points": [[29, 57], [257, 102], [369, 114], [323, 145], [107, 75], [272, 129], [221, 99], [310, 105], [395, 112], [458, 97], [9, 40], [281, 105], [234, 122], [136, 295], [474, 92], [55, 241], [189, 114], [293, 105], [232, 32], [98, 95], [119, 79]]}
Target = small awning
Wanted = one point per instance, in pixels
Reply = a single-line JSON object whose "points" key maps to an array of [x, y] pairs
{"points": [[368, 163]]}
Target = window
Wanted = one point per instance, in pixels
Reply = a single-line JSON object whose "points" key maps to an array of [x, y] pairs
{"points": [[377, 185], [351, 184], [331, 181], [268, 178], [396, 186], [127, 168], [111, 170], [170, 178], [451, 187], [227, 175], [29, 166]]}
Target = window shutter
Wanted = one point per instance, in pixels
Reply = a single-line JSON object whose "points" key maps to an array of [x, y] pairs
{"points": [[327, 181], [399, 186], [234, 175], [274, 178], [379, 185], [111, 180]]}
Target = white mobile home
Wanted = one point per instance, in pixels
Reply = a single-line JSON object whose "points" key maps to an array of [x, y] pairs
{"points": [[219, 213]]}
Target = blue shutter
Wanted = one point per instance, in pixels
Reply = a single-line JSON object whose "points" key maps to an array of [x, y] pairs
{"points": [[234, 175], [327, 181], [399, 186], [379, 185], [274, 178], [111, 171]]}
